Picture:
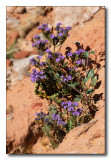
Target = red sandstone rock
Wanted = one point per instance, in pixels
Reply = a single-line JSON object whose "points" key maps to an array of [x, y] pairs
{"points": [[12, 37], [21, 54]]}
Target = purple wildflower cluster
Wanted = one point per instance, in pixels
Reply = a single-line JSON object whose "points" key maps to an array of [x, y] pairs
{"points": [[79, 51], [61, 35], [58, 119], [66, 79], [38, 43], [41, 116], [50, 54], [44, 27], [71, 107], [37, 76], [60, 58], [70, 54], [43, 64], [62, 31], [33, 61], [79, 62]]}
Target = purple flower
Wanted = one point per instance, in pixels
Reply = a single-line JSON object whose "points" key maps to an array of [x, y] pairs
{"points": [[42, 63], [70, 109], [40, 27], [41, 72], [50, 56], [68, 28], [46, 120], [58, 59], [76, 104], [34, 44], [48, 51], [37, 76], [60, 122], [42, 77], [46, 41], [75, 113], [39, 57], [63, 103], [82, 51], [55, 117], [62, 57], [65, 79], [36, 36], [69, 77], [65, 107], [33, 61], [79, 110], [79, 62], [58, 24], [62, 30], [75, 68], [70, 54], [62, 76], [79, 51], [47, 29], [36, 114], [38, 42], [60, 34], [44, 25], [52, 36], [69, 104]]}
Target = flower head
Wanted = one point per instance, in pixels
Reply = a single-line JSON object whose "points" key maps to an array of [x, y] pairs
{"points": [[70, 109], [79, 62], [70, 54], [58, 24], [69, 77], [37, 36], [52, 36], [39, 57], [68, 28], [34, 44], [47, 29], [48, 51], [79, 51], [60, 34], [38, 42], [58, 59]]}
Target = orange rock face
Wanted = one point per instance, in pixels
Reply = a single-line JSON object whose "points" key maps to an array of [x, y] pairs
{"points": [[22, 54], [12, 37]]}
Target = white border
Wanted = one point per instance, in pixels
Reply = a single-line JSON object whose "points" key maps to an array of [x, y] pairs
{"points": [[3, 4]]}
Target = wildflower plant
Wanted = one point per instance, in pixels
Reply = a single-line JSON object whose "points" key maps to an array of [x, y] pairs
{"points": [[65, 80]]}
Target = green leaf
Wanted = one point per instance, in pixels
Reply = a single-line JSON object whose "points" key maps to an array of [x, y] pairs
{"points": [[77, 99], [74, 84], [92, 52], [85, 80], [57, 75], [70, 124], [86, 54], [94, 81], [90, 73], [65, 64], [89, 91]]}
